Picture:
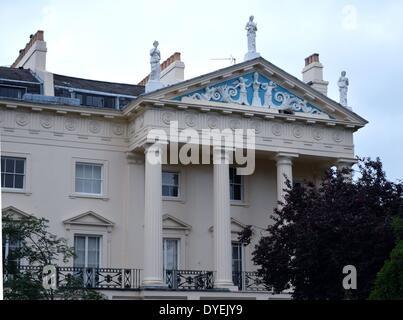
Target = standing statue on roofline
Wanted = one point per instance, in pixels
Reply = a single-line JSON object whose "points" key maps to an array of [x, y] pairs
{"points": [[251, 28], [343, 84], [155, 62], [154, 81]]}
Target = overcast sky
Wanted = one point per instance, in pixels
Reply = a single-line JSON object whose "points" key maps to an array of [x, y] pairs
{"points": [[110, 40]]}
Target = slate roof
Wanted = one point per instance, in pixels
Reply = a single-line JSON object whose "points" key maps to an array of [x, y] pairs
{"points": [[100, 86], [17, 74]]}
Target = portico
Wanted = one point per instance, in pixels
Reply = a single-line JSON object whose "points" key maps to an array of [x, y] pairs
{"points": [[282, 163]]}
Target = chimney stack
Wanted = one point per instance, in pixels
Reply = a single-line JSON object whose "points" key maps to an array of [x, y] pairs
{"points": [[172, 71], [313, 74], [33, 56]]}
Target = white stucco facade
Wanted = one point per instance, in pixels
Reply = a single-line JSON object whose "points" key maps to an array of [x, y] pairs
{"points": [[130, 215]]}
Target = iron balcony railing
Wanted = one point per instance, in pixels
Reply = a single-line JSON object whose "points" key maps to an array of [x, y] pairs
{"points": [[91, 278], [249, 281], [189, 279], [131, 279]]}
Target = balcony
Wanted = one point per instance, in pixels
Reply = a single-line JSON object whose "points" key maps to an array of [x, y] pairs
{"points": [[131, 279]]}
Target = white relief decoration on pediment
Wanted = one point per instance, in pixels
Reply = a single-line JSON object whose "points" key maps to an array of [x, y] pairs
{"points": [[254, 90]]}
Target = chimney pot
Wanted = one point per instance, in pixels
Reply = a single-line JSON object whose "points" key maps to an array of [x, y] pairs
{"points": [[313, 73], [311, 59]]}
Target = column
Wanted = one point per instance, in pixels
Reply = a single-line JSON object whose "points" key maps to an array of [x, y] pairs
{"points": [[153, 273], [222, 220], [284, 171]]}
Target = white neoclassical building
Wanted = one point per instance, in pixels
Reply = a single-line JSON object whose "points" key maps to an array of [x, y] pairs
{"points": [[75, 152]]}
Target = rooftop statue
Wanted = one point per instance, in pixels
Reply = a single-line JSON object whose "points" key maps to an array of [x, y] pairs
{"points": [[343, 84], [154, 81], [251, 28], [155, 62]]}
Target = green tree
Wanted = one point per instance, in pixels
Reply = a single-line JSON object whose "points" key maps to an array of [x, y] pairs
{"points": [[37, 247], [321, 229], [389, 281]]}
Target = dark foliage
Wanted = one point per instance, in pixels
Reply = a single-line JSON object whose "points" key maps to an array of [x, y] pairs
{"points": [[319, 230]]}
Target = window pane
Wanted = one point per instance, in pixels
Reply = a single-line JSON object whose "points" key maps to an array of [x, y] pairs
{"points": [[97, 172], [236, 257], [237, 192], [93, 252], [79, 170], [88, 171], [174, 192], [170, 184], [236, 185], [171, 247], [88, 178], [79, 251], [175, 179], [9, 181], [19, 181], [19, 166], [231, 175], [79, 185], [96, 186], [10, 165], [87, 186], [166, 178], [165, 191], [13, 170]]}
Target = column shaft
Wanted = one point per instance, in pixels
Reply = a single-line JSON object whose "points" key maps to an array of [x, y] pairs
{"points": [[222, 221], [284, 171], [153, 273]]}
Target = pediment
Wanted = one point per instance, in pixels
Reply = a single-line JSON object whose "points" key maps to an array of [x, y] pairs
{"points": [[236, 226], [89, 218], [172, 223], [14, 213], [254, 89], [256, 85]]}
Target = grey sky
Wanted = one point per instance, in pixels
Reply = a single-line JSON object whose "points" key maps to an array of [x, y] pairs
{"points": [[110, 40]]}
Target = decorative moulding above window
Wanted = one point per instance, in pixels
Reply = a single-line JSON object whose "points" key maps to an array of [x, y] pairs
{"points": [[89, 218], [236, 226], [15, 213], [171, 223]]}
